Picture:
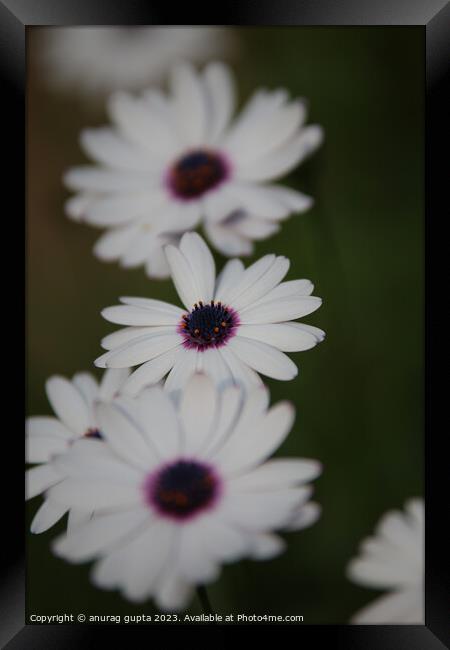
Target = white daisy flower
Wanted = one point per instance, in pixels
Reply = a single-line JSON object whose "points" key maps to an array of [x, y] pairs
{"points": [[169, 163], [394, 559], [98, 60], [231, 328], [73, 404], [178, 491]]}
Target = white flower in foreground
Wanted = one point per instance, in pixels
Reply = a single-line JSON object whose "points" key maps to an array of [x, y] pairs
{"points": [[179, 491], [98, 60], [230, 327], [172, 162], [394, 559], [73, 403]]}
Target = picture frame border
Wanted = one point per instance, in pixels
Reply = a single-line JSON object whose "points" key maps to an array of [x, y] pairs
{"points": [[16, 16]]}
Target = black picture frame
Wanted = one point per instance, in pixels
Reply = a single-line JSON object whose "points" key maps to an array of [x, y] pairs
{"points": [[434, 17]]}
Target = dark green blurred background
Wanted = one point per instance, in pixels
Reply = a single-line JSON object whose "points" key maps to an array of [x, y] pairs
{"points": [[359, 395]]}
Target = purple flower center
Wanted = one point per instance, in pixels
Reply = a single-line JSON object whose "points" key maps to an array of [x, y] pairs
{"points": [[182, 489], [93, 433], [208, 326], [197, 172]]}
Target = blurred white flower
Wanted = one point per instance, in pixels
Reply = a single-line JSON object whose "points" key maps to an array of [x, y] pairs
{"points": [[393, 559], [99, 60], [178, 491], [230, 327], [169, 163], [73, 404]]}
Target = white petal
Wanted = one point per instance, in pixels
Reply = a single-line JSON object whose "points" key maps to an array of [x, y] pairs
{"points": [[94, 495], [406, 561], [75, 207], [139, 350], [157, 101], [120, 210], [143, 568], [415, 507], [183, 367], [264, 358], [107, 573], [143, 315], [113, 243], [277, 474], [266, 546], [304, 517], [176, 216], [76, 464], [382, 572], [202, 264], [68, 404], [231, 399], [251, 124], [283, 159], [195, 564], [189, 103], [250, 406], [77, 518], [288, 337], [242, 452], [90, 447], [106, 147], [397, 607], [396, 529], [47, 515], [318, 334], [221, 97], [280, 129], [218, 204], [111, 383], [152, 371], [216, 368], [227, 241], [224, 543], [159, 422], [99, 534], [259, 200], [198, 409], [47, 426], [287, 289], [157, 265], [251, 275], [262, 103], [141, 248], [172, 592], [96, 179], [142, 126], [39, 479], [125, 438], [277, 311], [260, 287], [243, 375], [228, 278], [265, 135], [293, 200], [151, 305], [255, 228], [262, 511], [40, 449], [182, 277], [87, 385]]}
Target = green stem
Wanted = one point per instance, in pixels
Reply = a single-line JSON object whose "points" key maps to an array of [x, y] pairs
{"points": [[204, 600]]}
